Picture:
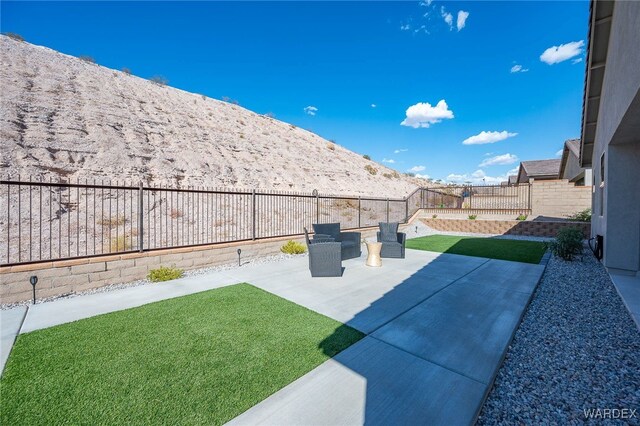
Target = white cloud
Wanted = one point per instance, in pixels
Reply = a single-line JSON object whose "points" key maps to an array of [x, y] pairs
{"points": [[416, 169], [423, 114], [559, 153], [448, 18], [418, 175], [513, 171], [488, 137], [462, 19], [310, 110], [373, 105], [499, 160], [577, 60], [426, 3], [518, 68], [477, 177], [398, 151], [405, 27], [557, 54], [388, 160]]}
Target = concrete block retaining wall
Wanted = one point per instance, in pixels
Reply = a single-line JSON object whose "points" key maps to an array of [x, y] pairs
{"points": [[506, 227]]}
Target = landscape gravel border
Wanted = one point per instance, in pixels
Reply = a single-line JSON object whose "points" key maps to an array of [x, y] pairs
{"points": [[576, 350]]}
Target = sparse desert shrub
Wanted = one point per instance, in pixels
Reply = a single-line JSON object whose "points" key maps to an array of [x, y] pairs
{"points": [[521, 217], [204, 98], [465, 205], [567, 244], [372, 170], [293, 126], [473, 217], [331, 146], [293, 247], [126, 70], [159, 80], [395, 174], [583, 216], [164, 273], [87, 59], [112, 222], [366, 157], [122, 243], [270, 115], [435, 216], [409, 174], [15, 36], [241, 136], [387, 175], [229, 100]]}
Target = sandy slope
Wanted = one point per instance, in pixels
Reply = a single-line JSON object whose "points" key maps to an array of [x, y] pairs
{"points": [[64, 116]]}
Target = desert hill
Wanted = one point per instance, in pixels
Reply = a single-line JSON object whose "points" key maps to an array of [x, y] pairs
{"points": [[63, 116]]}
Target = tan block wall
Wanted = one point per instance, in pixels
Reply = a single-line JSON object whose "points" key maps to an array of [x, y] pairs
{"points": [[506, 227], [558, 198], [73, 276]]}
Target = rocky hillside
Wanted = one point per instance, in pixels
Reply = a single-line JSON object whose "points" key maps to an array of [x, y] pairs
{"points": [[63, 116]]}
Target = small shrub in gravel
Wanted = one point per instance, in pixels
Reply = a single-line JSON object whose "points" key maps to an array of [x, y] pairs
{"points": [[292, 247], [473, 217], [521, 217], [164, 273], [583, 216], [567, 244]]}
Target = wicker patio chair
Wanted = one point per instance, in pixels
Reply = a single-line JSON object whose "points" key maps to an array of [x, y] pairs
{"points": [[393, 242], [349, 241], [324, 257]]}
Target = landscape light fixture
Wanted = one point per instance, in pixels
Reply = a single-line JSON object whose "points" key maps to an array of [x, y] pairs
{"points": [[34, 280], [239, 251]]}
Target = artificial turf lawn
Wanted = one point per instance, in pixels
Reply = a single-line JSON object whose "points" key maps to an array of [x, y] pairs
{"points": [[198, 359], [516, 250]]}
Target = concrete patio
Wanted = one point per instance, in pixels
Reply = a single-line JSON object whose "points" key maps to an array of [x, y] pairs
{"points": [[437, 328]]}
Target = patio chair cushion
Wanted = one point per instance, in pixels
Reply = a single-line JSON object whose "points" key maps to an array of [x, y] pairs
{"points": [[348, 243], [331, 229], [389, 232]]}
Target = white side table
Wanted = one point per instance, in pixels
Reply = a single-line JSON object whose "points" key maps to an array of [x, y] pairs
{"points": [[373, 258]]}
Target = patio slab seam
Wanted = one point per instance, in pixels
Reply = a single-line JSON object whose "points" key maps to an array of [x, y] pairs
{"points": [[427, 298]]}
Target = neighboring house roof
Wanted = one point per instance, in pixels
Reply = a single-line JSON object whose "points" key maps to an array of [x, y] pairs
{"points": [[571, 147], [539, 169], [513, 179]]}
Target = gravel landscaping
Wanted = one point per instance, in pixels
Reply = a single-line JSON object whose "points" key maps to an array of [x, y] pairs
{"points": [[576, 349]]}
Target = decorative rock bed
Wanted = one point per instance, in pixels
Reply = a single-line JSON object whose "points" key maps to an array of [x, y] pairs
{"points": [[577, 349]]}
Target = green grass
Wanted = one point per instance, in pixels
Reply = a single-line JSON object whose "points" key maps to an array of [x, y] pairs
{"points": [[516, 250], [198, 359]]}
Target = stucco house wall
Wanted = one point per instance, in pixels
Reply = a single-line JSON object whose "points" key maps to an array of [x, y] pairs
{"points": [[616, 198]]}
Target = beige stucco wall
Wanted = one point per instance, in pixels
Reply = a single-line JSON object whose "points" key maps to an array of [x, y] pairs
{"points": [[616, 203], [558, 198]]}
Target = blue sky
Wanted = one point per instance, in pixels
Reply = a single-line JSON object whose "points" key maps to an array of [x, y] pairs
{"points": [[366, 67]]}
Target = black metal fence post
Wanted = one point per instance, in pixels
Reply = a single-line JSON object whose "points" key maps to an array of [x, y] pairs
{"points": [[406, 210], [359, 210], [387, 209], [317, 207], [253, 214], [141, 217]]}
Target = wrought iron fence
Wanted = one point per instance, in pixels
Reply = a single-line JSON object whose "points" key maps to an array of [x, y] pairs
{"points": [[64, 220]]}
